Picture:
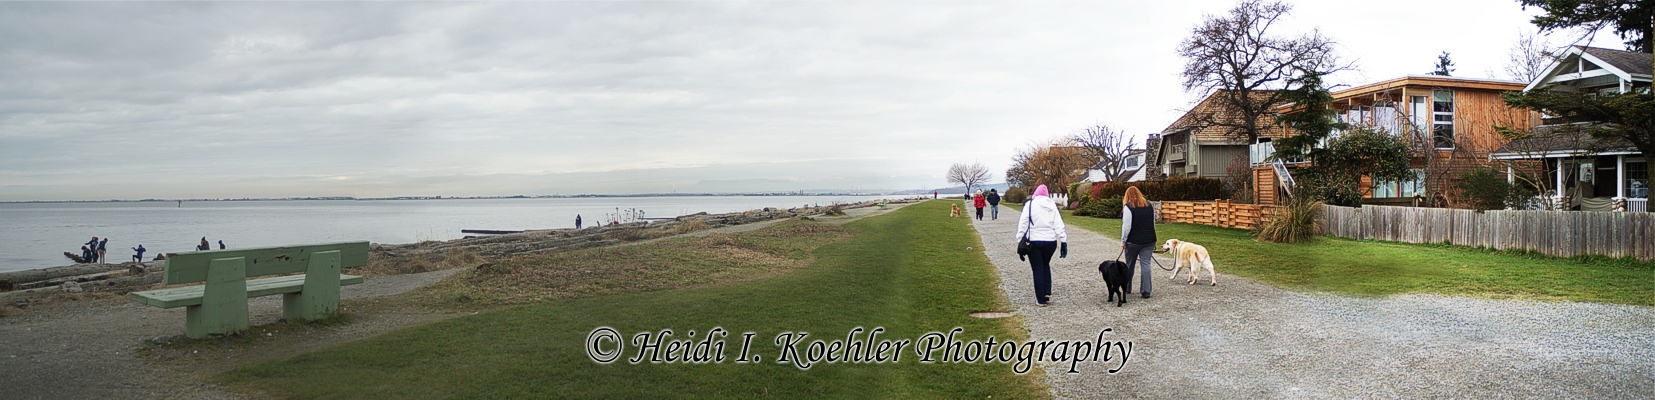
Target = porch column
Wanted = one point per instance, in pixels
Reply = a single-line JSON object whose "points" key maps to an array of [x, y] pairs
{"points": [[1509, 177], [1620, 177], [1559, 178]]}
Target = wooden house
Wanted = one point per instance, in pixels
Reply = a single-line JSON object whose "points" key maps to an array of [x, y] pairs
{"points": [[1587, 173], [1449, 121], [1191, 147]]}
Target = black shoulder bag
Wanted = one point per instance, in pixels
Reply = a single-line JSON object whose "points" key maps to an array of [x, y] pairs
{"points": [[1023, 247]]}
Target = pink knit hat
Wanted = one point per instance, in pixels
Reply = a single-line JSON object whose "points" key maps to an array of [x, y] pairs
{"points": [[1041, 191]]}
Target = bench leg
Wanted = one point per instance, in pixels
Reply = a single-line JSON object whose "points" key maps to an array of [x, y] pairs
{"points": [[320, 297], [223, 308]]}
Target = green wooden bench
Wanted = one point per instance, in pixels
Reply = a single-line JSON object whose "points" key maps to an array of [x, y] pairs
{"points": [[219, 306]]}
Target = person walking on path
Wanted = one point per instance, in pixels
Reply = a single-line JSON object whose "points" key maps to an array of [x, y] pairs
{"points": [[993, 205], [1043, 225], [979, 202], [140, 250], [1138, 236]]}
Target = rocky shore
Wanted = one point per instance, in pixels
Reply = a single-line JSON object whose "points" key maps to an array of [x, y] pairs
{"points": [[20, 289]]}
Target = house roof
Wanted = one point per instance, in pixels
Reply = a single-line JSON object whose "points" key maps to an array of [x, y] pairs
{"points": [[1428, 80], [1626, 65], [1209, 134], [1563, 140], [1630, 62]]}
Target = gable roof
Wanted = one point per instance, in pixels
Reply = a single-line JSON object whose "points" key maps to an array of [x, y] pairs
{"points": [[1626, 65], [1216, 134], [1564, 140]]}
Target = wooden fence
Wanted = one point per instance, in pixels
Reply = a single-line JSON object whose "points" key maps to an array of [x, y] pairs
{"points": [[1220, 213], [1557, 233]]}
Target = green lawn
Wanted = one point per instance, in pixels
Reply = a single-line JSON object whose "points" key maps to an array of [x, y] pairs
{"points": [[1373, 268], [909, 271]]}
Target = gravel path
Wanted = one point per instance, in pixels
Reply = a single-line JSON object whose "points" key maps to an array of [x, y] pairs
{"points": [[1243, 338]]}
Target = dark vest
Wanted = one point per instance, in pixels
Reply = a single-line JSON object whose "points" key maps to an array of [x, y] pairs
{"points": [[1143, 226]]}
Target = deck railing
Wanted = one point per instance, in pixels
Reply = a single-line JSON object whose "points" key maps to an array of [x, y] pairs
{"points": [[1637, 205]]}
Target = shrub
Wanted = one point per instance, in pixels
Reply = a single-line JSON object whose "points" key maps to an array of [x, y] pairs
{"points": [[1297, 222], [1487, 189], [1173, 189], [1016, 195]]}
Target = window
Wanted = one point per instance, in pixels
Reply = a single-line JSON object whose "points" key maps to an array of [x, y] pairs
{"points": [[1421, 112], [1442, 118], [1637, 179], [1417, 186], [1132, 162]]}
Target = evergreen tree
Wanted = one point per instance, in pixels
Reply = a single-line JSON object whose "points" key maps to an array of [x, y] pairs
{"points": [[1445, 65]]}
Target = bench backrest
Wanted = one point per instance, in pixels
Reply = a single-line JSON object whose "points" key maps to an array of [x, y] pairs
{"points": [[192, 266]]}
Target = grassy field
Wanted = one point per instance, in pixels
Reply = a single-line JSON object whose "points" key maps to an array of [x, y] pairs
{"points": [[910, 272], [1373, 268]]}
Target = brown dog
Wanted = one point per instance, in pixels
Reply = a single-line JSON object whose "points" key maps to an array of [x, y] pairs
{"points": [[1192, 255], [955, 212]]}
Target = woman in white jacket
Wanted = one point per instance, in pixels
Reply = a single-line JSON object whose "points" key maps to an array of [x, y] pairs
{"points": [[1043, 224]]}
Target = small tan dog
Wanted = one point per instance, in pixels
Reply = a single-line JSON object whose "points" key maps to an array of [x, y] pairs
{"points": [[955, 212], [1192, 255]]}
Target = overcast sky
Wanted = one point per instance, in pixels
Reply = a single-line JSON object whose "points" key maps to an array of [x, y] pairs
{"points": [[224, 100]]}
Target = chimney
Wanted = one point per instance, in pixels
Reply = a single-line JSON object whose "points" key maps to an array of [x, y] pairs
{"points": [[1152, 158]]}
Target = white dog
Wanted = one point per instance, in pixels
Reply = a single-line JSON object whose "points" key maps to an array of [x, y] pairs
{"points": [[1192, 255]]}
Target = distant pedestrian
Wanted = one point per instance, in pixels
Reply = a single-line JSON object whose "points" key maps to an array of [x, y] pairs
{"points": [[103, 250], [979, 202], [221, 245], [577, 221], [933, 195], [203, 246], [993, 204], [140, 250], [1043, 225], [92, 250]]}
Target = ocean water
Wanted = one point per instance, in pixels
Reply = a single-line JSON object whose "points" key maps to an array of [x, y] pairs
{"points": [[35, 235]]}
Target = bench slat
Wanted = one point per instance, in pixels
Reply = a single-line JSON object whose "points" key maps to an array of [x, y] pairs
{"points": [[191, 267], [191, 295]]}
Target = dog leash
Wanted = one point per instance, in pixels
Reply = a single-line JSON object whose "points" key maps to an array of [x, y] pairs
{"points": [[1151, 258]]}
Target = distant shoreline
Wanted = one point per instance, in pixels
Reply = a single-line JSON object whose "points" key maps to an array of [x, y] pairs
{"points": [[576, 196]]}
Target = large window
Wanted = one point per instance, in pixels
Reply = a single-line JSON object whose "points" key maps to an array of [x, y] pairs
{"points": [[1393, 189], [1421, 113], [1442, 118], [1637, 179]]}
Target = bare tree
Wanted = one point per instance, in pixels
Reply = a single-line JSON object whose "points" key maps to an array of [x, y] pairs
{"points": [[1237, 57], [1055, 164], [1529, 57], [1109, 147], [969, 175]]}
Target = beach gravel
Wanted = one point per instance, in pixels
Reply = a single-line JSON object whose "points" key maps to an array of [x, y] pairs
{"points": [[1246, 339]]}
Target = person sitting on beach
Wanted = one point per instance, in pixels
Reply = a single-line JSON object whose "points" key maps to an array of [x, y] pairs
{"points": [[221, 245], [85, 254], [140, 256]]}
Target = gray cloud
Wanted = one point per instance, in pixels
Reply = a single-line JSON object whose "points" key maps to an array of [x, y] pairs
{"points": [[134, 100]]}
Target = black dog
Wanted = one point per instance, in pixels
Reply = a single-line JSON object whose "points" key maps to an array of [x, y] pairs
{"points": [[1118, 277]]}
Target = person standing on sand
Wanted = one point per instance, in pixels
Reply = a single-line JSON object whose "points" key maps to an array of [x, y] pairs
{"points": [[221, 245], [1138, 236], [91, 250], [140, 256], [1043, 224], [979, 202], [103, 250], [577, 221], [993, 204]]}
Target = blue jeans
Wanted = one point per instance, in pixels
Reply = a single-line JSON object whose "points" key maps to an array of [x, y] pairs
{"points": [[994, 211]]}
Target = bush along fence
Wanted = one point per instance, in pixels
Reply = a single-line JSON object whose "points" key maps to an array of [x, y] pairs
{"points": [[1221, 213], [1562, 234]]}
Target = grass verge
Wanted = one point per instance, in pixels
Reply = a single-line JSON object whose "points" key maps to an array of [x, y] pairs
{"points": [[909, 272], [1375, 268]]}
